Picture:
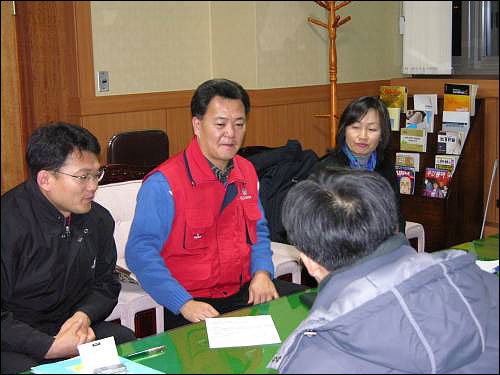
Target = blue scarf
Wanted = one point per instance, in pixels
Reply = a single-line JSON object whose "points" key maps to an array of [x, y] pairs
{"points": [[354, 163]]}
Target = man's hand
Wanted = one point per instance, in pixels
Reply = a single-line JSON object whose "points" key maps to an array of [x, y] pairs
{"points": [[196, 311], [261, 288], [85, 331], [66, 343]]}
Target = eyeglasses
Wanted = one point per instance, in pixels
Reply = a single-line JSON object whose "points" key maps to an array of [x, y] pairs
{"points": [[86, 178]]}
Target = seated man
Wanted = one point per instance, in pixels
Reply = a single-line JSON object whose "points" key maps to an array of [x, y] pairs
{"points": [[199, 241], [382, 307], [58, 253]]}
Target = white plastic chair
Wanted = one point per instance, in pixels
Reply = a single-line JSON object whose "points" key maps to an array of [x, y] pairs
{"points": [[286, 260], [120, 198], [416, 230]]}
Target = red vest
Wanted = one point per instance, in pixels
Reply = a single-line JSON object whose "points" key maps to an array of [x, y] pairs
{"points": [[208, 249]]}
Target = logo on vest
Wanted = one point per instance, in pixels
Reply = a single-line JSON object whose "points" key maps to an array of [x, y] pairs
{"points": [[197, 236], [244, 195]]}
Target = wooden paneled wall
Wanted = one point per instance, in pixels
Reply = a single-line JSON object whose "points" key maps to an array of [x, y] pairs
{"points": [[276, 115], [13, 170]]}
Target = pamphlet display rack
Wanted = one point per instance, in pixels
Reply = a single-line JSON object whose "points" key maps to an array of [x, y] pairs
{"points": [[456, 218]]}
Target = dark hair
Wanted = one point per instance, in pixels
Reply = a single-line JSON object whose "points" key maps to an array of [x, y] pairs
{"points": [[217, 87], [339, 215], [355, 111], [50, 145]]}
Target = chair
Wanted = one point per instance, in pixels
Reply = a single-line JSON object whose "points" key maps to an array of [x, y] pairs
{"points": [[286, 260], [146, 148], [416, 230], [120, 199]]}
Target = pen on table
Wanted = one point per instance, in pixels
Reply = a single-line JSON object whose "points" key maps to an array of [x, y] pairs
{"points": [[147, 351]]}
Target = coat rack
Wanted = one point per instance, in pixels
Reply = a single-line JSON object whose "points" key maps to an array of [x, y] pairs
{"points": [[334, 21]]}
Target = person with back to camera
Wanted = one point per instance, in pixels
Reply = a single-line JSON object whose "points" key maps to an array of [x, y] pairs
{"points": [[363, 142], [382, 307], [199, 242], [58, 253]]}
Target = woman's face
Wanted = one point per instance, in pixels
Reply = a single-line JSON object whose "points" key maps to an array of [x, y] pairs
{"points": [[363, 136]]}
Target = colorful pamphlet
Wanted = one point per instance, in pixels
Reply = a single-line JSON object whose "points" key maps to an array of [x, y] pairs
{"points": [[416, 119], [460, 97], [394, 115], [406, 179], [448, 162], [413, 140], [457, 122], [450, 142], [436, 183], [426, 103], [394, 97], [408, 160]]}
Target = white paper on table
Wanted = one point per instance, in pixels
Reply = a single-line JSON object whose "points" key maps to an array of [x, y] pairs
{"points": [[487, 265], [98, 353], [241, 331]]}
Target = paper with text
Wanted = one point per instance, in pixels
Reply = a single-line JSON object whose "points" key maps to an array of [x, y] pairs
{"points": [[98, 353], [241, 331]]}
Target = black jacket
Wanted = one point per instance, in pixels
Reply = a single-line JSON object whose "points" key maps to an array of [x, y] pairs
{"points": [[385, 167], [48, 275], [279, 169]]}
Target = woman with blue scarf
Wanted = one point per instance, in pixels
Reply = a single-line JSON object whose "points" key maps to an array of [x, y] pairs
{"points": [[363, 140]]}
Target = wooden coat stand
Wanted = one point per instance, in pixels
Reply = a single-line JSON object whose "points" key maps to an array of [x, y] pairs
{"points": [[334, 21]]}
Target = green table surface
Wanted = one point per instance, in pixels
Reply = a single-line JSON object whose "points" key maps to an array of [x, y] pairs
{"points": [[187, 349], [485, 249]]}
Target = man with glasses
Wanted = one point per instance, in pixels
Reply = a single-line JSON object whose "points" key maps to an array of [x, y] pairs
{"points": [[58, 253]]}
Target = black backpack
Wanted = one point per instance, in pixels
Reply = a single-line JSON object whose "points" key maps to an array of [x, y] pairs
{"points": [[278, 170]]}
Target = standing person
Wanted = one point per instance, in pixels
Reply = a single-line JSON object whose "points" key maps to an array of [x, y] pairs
{"points": [[381, 306], [363, 140], [58, 253], [199, 241]]}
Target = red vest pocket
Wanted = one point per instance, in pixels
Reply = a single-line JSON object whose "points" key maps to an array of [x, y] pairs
{"points": [[252, 215], [198, 224]]}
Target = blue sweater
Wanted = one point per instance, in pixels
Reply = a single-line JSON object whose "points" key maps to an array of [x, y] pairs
{"points": [[154, 214]]}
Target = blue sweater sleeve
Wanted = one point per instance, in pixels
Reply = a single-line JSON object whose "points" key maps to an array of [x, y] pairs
{"points": [[261, 251], [154, 214]]}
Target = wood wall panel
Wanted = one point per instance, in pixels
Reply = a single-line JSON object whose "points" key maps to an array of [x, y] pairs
{"points": [[179, 128], [105, 126], [490, 154], [267, 126], [13, 167], [47, 56], [312, 132]]}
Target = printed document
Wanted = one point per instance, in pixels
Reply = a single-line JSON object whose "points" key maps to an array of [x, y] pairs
{"points": [[241, 331]]}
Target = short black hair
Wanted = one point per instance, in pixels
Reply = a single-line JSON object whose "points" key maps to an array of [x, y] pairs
{"points": [[50, 145], [224, 88], [339, 215], [355, 111]]}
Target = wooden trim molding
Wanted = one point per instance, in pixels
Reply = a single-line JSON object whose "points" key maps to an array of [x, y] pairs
{"points": [[488, 88], [87, 106], [84, 48]]}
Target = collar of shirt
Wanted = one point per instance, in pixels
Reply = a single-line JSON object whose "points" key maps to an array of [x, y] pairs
{"points": [[220, 174]]}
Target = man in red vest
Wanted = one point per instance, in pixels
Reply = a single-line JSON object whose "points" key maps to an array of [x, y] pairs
{"points": [[199, 242]]}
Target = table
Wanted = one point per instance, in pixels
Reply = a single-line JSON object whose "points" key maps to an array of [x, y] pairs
{"points": [[485, 249], [187, 347]]}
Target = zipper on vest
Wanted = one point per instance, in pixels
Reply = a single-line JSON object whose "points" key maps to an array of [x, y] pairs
{"points": [[186, 164], [184, 241], [67, 231]]}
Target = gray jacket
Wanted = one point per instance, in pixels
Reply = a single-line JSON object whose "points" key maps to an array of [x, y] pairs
{"points": [[398, 311]]}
